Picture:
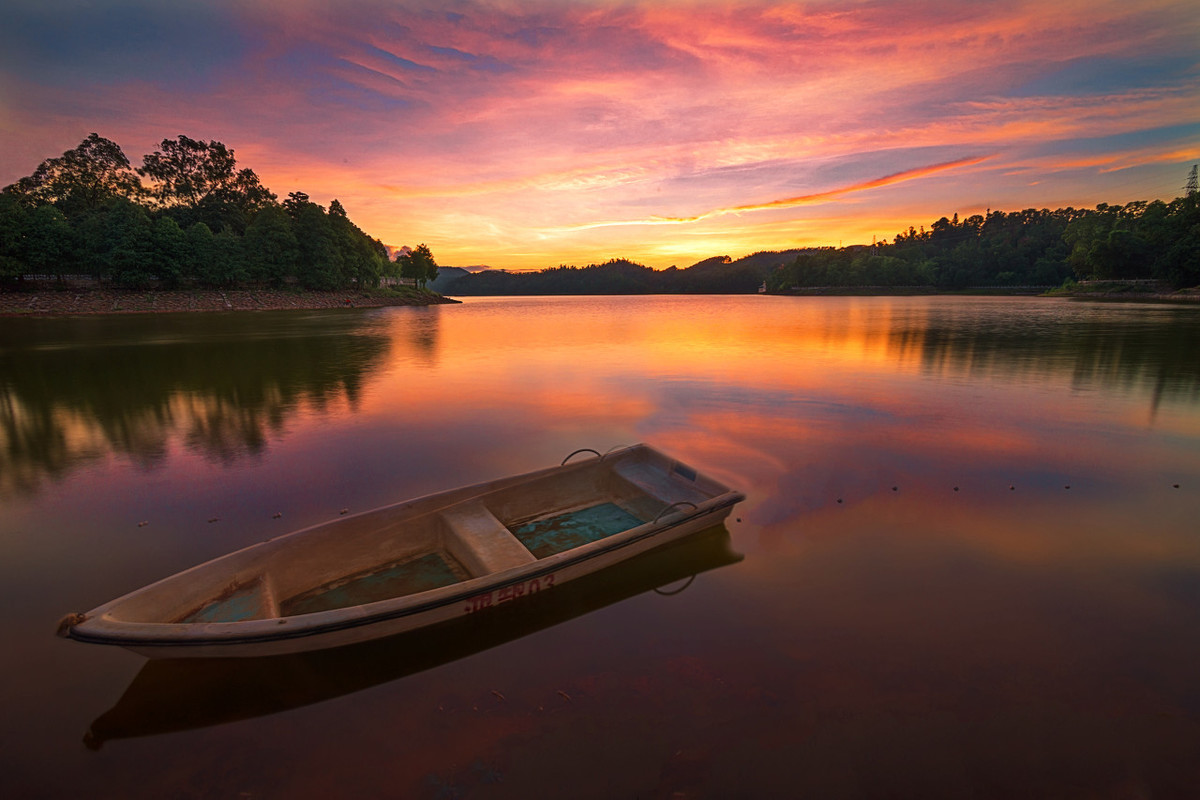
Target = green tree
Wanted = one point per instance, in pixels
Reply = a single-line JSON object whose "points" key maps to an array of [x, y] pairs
{"points": [[295, 203], [320, 265], [170, 252], [418, 266], [203, 178], [408, 268], [1179, 261], [202, 256], [361, 262], [49, 242], [228, 267], [380, 260], [14, 218], [272, 250], [127, 247], [82, 179], [431, 266]]}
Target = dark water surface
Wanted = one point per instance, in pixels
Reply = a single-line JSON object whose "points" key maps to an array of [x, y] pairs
{"points": [[910, 603]]}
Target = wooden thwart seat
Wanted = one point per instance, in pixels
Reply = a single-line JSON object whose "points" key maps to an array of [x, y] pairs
{"points": [[482, 543]]}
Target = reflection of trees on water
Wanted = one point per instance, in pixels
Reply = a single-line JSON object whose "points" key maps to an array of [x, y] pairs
{"points": [[76, 390], [424, 334], [1159, 352], [419, 331]]}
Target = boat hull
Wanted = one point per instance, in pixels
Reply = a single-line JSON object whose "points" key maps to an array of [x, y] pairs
{"points": [[498, 561]]}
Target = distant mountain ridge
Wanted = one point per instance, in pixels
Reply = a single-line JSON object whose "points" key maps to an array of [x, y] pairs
{"points": [[716, 275], [446, 276]]}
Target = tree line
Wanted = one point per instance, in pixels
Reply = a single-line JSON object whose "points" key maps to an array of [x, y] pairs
{"points": [[189, 216], [1137, 241]]}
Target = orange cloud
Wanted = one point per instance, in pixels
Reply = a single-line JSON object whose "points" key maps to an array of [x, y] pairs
{"points": [[791, 202]]}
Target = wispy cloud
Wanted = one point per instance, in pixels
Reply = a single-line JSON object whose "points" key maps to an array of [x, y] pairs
{"points": [[632, 128], [790, 202]]}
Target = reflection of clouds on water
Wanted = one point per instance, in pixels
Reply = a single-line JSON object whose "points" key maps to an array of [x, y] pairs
{"points": [[755, 394], [921, 396], [1010, 629]]}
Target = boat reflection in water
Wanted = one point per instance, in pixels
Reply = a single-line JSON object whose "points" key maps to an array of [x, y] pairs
{"points": [[170, 695]]}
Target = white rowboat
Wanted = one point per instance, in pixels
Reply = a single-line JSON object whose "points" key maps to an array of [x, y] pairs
{"points": [[176, 694], [417, 563]]}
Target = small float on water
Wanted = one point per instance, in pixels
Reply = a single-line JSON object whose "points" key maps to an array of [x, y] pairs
{"points": [[416, 563]]}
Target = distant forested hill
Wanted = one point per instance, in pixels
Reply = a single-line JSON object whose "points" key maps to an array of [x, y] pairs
{"points": [[1138, 241], [720, 275], [445, 277]]}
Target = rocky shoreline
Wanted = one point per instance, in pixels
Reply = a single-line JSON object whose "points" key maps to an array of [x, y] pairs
{"points": [[56, 302]]}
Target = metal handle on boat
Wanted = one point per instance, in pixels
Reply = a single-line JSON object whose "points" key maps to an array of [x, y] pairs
{"points": [[673, 592], [577, 452], [675, 505]]}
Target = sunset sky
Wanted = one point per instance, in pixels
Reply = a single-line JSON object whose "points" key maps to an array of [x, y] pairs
{"points": [[528, 134]]}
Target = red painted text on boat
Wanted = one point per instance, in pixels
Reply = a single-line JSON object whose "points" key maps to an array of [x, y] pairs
{"points": [[506, 593]]}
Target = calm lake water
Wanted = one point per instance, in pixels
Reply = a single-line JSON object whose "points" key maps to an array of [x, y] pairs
{"points": [[910, 603]]}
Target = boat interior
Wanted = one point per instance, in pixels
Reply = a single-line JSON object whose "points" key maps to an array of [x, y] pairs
{"points": [[427, 544]]}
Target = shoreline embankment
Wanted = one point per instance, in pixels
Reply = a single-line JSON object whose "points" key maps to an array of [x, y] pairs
{"points": [[66, 302], [1117, 291]]}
